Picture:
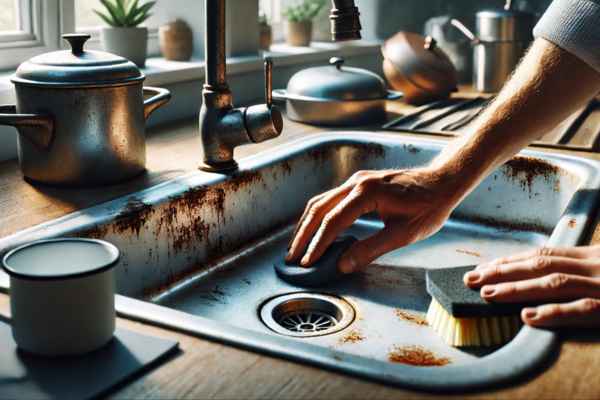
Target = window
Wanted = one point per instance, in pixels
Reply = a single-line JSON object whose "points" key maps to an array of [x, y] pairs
{"points": [[85, 18], [27, 28], [273, 10], [32, 27], [9, 18], [87, 21]]}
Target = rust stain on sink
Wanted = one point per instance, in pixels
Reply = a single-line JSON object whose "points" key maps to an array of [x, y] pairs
{"points": [[411, 317], [353, 336], [416, 356], [525, 170]]}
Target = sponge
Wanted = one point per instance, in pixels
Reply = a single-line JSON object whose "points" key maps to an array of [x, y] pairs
{"points": [[462, 318], [322, 272]]}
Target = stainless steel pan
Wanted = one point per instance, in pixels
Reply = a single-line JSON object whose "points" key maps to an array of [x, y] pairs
{"points": [[335, 95]]}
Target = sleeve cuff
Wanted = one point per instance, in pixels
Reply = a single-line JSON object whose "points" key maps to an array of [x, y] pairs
{"points": [[573, 25]]}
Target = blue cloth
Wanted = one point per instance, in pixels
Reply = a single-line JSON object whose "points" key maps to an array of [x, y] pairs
{"points": [[573, 25]]}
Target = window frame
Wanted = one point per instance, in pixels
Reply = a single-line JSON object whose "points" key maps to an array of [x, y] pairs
{"points": [[39, 30], [41, 23]]}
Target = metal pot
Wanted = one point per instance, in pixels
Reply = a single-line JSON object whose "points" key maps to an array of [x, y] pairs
{"points": [[415, 65], [81, 116], [335, 95], [501, 38]]}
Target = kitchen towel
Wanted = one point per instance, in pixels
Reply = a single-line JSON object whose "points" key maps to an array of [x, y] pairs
{"points": [[26, 376]]}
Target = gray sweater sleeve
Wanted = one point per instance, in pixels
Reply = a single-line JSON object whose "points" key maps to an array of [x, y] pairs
{"points": [[573, 25]]}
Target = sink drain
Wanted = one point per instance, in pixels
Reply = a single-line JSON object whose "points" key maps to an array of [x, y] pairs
{"points": [[306, 314]]}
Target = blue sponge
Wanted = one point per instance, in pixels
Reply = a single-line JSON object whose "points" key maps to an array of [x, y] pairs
{"points": [[321, 272]]}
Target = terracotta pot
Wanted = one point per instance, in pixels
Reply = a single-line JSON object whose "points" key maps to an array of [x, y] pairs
{"points": [[130, 43], [266, 37], [176, 41], [299, 33]]}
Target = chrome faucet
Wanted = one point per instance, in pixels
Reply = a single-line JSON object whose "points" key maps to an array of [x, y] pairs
{"points": [[223, 127]]}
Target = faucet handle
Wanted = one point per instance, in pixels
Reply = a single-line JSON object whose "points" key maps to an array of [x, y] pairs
{"points": [[269, 81]]}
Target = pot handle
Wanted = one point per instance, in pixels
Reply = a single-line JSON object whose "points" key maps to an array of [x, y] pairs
{"points": [[465, 31], [160, 97], [37, 128], [279, 94]]}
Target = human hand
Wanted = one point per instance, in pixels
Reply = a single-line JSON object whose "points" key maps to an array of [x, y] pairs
{"points": [[413, 204], [568, 279]]}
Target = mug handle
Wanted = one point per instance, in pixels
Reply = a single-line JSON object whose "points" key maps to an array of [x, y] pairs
{"points": [[37, 128], [160, 97]]}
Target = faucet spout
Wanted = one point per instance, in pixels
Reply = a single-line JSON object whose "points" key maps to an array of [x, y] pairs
{"points": [[345, 21], [223, 127]]}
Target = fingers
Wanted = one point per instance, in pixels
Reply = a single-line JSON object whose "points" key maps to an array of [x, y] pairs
{"points": [[553, 287], [530, 268], [335, 222], [310, 221], [570, 252], [580, 313]]}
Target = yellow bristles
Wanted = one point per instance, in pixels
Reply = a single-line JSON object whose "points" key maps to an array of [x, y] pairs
{"points": [[463, 332]]}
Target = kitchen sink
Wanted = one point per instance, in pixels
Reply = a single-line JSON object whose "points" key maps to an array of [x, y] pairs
{"points": [[198, 254]]}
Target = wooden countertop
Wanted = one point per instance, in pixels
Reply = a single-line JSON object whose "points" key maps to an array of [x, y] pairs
{"points": [[205, 369]]}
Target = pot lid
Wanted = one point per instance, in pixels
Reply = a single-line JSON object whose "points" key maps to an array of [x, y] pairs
{"points": [[421, 61], [77, 67], [62, 258], [336, 82]]}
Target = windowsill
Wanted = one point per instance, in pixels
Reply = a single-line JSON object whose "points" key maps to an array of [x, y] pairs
{"points": [[159, 71]]}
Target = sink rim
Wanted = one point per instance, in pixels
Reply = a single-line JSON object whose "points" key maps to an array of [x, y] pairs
{"points": [[531, 344]]}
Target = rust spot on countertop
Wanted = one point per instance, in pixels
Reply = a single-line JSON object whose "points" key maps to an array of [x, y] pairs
{"points": [[416, 356], [411, 317], [525, 169], [353, 336]]}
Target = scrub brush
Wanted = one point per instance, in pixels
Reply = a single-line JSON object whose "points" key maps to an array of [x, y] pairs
{"points": [[462, 318]]}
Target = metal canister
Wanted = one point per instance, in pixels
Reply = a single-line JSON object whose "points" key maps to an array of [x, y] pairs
{"points": [[501, 38]]}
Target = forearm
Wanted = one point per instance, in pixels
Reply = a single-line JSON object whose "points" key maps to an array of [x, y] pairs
{"points": [[548, 86]]}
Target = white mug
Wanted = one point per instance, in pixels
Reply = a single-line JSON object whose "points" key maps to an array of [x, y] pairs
{"points": [[62, 295]]}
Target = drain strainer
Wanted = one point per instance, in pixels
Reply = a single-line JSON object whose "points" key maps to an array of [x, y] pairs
{"points": [[307, 314]]}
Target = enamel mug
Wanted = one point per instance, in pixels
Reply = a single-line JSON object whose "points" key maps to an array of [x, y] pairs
{"points": [[62, 295]]}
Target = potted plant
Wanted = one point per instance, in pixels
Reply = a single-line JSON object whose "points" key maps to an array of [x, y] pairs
{"points": [[265, 32], [299, 21], [124, 36]]}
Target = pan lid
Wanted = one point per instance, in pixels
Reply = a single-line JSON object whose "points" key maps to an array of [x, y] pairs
{"points": [[77, 67], [336, 82]]}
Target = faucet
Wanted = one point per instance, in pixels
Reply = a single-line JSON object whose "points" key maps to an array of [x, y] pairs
{"points": [[345, 21], [223, 127]]}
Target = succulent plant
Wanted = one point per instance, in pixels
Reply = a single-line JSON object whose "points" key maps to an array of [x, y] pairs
{"points": [[125, 13], [306, 10], [263, 19]]}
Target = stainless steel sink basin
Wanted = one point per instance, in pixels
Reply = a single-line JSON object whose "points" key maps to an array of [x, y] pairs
{"points": [[198, 255]]}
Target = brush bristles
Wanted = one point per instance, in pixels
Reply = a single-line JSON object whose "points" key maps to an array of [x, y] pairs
{"points": [[463, 332]]}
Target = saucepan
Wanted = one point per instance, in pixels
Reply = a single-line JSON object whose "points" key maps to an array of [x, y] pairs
{"points": [[335, 95], [81, 116]]}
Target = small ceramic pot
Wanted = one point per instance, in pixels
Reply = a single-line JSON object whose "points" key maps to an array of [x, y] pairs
{"points": [[266, 37], [299, 33], [176, 41], [62, 295], [130, 43]]}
